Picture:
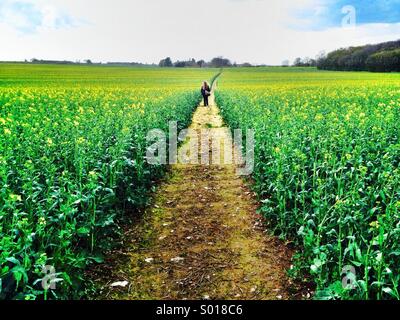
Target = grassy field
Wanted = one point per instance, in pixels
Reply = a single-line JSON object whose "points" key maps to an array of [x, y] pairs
{"points": [[72, 162], [327, 158], [31, 75]]}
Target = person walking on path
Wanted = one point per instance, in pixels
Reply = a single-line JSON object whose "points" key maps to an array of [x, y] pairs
{"points": [[205, 92]]}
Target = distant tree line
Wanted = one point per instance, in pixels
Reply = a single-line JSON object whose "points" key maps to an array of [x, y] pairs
{"points": [[218, 62], [306, 62], [383, 57], [89, 62], [37, 61]]}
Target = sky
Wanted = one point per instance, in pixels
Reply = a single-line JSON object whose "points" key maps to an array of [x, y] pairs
{"points": [[255, 31]]}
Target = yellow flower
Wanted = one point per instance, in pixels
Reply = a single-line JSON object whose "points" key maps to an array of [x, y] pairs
{"points": [[80, 140], [28, 163], [7, 131], [374, 224], [319, 117], [42, 221], [15, 197], [92, 174], [49, 141]]}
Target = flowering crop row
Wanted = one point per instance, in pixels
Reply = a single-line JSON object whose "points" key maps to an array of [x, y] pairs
{"points": [[326, 171], [72, 162]]}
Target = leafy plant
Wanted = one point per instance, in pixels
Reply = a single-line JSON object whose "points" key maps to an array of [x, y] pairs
{"points": [[326, 170], [72, 163]]}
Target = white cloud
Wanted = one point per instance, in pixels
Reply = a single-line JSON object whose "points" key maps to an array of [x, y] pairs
{"points": [[27, 16], [51, 18], [257, 31]]}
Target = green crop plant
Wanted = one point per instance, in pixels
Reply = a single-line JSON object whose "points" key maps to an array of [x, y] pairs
{"points": [[72, 162], [327, 173]]}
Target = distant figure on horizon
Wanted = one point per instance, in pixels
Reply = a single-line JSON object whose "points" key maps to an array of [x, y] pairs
{"points": [[205, 92]]}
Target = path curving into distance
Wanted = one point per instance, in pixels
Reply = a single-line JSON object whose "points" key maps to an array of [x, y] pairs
{"points": [[202, 237]]}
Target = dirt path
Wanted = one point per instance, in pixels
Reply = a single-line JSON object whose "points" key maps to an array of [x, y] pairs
{"points": [[202, 239]]}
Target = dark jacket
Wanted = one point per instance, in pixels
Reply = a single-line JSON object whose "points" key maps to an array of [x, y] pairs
{"points": [[205, 92]]}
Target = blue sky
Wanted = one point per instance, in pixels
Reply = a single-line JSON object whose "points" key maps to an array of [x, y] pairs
{"points": [[374, 11], [256, 31], [32, 16], [28, 16], [328, 13]]}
